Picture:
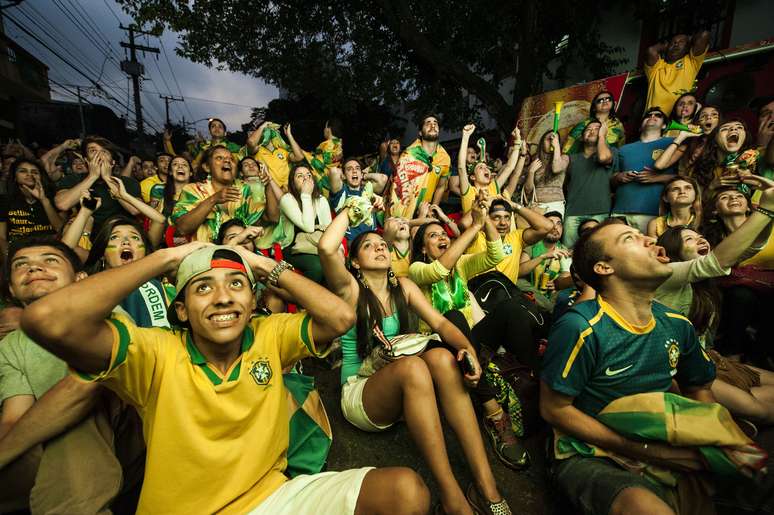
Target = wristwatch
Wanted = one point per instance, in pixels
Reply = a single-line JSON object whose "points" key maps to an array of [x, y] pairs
{"points": [[273, 277]]}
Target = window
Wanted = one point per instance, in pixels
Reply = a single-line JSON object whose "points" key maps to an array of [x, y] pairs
{"points": [[11, 54]]}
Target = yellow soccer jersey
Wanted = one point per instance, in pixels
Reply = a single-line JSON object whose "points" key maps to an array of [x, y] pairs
{"points": [[512, 245], [216, 442]]}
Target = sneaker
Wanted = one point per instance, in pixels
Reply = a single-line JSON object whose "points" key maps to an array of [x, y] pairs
{"points": [[481, 506], [506, 446]]}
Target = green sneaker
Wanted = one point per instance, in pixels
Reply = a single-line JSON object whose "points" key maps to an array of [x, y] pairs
{"points": [[506, 446]]}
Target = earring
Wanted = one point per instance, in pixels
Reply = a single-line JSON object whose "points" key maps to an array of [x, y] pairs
{"points": [[391, 278], [361, 278]]}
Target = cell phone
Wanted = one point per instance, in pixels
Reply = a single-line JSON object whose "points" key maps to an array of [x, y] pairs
{"points": [[468, 365]]}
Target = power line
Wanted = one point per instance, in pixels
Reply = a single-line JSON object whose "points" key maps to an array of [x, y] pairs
{"points": [[174, 77], [64, 60], [112, 11]]}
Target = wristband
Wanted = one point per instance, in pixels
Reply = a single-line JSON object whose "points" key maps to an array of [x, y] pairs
{"points": [[273, 277], [764, 211]]}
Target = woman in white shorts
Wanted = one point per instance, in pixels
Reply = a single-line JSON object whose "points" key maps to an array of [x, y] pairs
{"points": [[409, 388]]}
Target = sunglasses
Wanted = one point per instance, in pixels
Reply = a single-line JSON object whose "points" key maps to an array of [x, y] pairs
{"points": [[604, 99], [655, 113]]}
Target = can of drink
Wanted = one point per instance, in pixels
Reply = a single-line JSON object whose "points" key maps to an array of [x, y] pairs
{"points": [[544, 280]]}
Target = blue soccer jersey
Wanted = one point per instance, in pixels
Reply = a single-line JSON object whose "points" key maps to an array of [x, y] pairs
{"points": [[596, 356]]}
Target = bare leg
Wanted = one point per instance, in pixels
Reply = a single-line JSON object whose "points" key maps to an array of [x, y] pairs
{"points": [[406, 387], [636, 501], [458, 409], [739, 402], [394, 490]]}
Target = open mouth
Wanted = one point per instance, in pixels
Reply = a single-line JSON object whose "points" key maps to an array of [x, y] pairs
{"points": [[733, 138], [702, 249], [661, 254], [126, 255], [443, 246], [224, 319]]}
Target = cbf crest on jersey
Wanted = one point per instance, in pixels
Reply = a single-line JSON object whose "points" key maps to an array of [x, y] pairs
{"points": [[261, 372], [673, 354]]}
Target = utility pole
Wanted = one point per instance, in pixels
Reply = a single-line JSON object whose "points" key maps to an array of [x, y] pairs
{"points": [[167, 100], [135, 69]]}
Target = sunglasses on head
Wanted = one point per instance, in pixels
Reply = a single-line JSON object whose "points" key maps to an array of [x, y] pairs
{"points": [[656, 113]]}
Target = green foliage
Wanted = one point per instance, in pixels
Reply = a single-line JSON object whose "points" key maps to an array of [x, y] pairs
{"points": [[451, 57]]}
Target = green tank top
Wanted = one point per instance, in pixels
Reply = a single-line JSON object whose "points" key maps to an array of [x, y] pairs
{"points": [[350, 361]]}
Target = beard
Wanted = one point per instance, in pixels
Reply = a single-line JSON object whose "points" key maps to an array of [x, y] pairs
{"points": [[428, 137], [553, 237]]}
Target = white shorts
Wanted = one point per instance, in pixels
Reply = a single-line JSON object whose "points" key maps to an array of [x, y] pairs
{"points": [[327, 492], [352, 405]]}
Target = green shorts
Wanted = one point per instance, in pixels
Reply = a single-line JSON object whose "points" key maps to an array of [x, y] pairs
{"points": [[592, 484]]}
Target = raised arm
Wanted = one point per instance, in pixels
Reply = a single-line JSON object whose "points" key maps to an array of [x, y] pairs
{"points": [[731, 248], [604, 154], [559, 161], [700, 42], [514, 155], [168, 147], [338, 278], [462, 162], [331, 315], [66, 199], [130, 164], [297, 153], [70, 322], [39, 194], [654, 53], [50, 157], [459, 246], [336, 177], [539, 225], [118, 191]]}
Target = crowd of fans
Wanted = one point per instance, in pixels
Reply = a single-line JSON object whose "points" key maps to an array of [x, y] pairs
{"points": [[155, 310]]}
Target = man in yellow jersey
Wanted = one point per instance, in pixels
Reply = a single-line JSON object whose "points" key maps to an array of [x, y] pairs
{"points": [[422, 172], [620, 344], [211, 396], [671, 68]]}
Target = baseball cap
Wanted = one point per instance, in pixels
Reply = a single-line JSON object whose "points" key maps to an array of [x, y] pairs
{"points": [[203, 260]]}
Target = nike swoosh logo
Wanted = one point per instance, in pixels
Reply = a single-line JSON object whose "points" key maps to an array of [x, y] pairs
{"points": [[609, 372], [483, 299]]}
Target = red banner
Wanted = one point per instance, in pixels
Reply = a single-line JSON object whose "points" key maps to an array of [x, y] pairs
{"points": [[537, 112]]}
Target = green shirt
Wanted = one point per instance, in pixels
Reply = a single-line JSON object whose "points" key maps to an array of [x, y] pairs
{"points": [[350, 360], [596, 356], [26, 368], [588, 185]]}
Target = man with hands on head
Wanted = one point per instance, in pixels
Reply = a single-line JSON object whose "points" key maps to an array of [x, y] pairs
{"points": [[100, 167], [221, 374], [671, 68]]}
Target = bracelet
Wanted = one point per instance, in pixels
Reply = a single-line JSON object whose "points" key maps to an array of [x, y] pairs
{"points": [[764, 211], [273, 277], [675, 143]]}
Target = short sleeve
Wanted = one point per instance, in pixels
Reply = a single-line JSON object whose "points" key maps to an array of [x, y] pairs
{"points": [[337, 199], [135, 361], [293, 335], [694, 368], [570, 356], [13, 380]]}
